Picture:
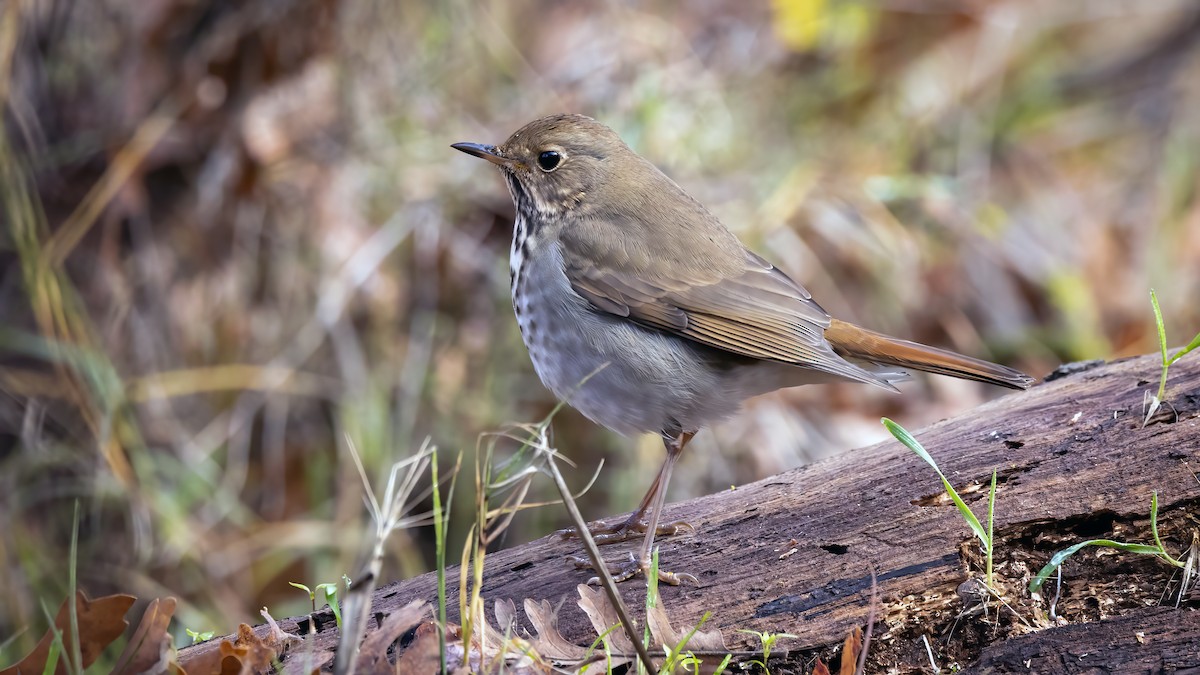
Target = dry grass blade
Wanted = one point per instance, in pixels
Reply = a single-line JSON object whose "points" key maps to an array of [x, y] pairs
{"points": [[619, 613], [1189, 567], [90, 381], [514, 476], [388, 515], [871, 616], [485, 647], [9, 29], [228, 377], [122, 167]]}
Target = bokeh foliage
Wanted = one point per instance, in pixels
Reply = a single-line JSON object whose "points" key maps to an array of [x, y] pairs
{"points": [[234, 233]]}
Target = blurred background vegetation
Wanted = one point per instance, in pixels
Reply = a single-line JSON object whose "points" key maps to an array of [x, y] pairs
{"points": [[235, 234]]}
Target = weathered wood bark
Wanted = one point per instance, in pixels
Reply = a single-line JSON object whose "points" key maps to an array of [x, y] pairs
{"points": [[1152, 640], [792, 553]]}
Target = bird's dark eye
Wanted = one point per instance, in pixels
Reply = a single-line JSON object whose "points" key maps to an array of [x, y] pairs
{"points": [[549, 160]]}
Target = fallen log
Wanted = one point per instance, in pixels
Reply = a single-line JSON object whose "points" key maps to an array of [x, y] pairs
{"points": [[794, 553], [1149, 640]]}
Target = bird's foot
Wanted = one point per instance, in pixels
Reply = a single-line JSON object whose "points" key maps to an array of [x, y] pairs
{"points": [[631, 568], [626, 530]]}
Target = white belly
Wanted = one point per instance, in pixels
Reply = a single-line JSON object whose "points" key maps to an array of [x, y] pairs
{"points": [[619, 374]]}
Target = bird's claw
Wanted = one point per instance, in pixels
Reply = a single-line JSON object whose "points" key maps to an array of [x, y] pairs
{"points": [[624, 531], [631, 568]]}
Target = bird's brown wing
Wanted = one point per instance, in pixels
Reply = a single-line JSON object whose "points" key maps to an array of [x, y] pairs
{"points": [[755, 311]]}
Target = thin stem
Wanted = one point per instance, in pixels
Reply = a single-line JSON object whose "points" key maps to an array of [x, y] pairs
{"points": [[1162, 344], [1154, 528], [75, 658], [439, 535], [606, 580], [991, 536]]}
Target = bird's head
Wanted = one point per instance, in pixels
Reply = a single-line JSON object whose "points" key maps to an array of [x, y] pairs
{"points": [[558, 163]]}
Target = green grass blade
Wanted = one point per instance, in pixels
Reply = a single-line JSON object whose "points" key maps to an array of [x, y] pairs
{"points": [[1154, 520], [52, 658], [676, 652], [1162, 344], [331, 599], [1057, 559], [601, 638], [1190, 346], [991, 532], [75, 662], [907, 439], [57, 648], [1162, 550], [651, 600], [439, 537]]}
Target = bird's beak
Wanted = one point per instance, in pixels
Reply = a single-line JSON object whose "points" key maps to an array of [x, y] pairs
{"points": [[488, 152]]}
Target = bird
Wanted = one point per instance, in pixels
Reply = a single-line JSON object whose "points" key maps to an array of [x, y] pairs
{"points": [[642, 311]]}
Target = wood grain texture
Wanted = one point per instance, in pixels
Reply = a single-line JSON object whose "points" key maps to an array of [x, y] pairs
{"points": [[1152, 640], [1066, 450]]}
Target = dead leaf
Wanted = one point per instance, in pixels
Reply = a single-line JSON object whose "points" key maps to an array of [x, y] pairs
{"points": [[851, 648], [278, 638], [372, 655], [502, 652], [664, 635], [302, 663], [252, 653], [205, 659], [100, 622], [820, 668], [307, 663], [423, 656], [230, 664], [488, 650], [600, 612], [151, 649], [505, 612], [249, 653], [549, 641]]}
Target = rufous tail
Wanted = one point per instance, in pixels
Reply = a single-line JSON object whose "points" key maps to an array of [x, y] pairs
{"points": [[851, 341]]}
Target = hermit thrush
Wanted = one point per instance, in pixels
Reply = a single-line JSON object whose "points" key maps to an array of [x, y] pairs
{"points": [[646, 314]]}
